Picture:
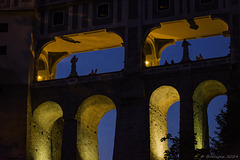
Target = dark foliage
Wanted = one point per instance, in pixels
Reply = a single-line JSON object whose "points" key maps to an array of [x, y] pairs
{"points": [[226, 143], [228, 131], [173, 152]]}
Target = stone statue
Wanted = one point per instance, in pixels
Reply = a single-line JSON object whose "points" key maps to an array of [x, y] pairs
{"points": [[73, 67], [200, 57], [166, 62], [186, 57], [92, 73]]}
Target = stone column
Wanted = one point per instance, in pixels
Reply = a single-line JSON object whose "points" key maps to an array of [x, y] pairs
{"points": [[235, 48], [133, 57], [186, 121], [132, 131], [69, 139], [132, 126]]}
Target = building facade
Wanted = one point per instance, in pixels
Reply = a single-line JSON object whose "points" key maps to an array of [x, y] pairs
{"points": [[47, 118]]}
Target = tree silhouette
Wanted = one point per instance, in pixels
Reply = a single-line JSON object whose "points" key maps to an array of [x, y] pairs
{"points": [[227, 140], [228, 131]]}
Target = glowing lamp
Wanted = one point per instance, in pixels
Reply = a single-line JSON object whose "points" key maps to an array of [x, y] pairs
{"points": [[39, 78], [146, 62]]}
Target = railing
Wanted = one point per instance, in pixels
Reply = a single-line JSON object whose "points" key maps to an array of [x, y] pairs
{"points": [[190, 65], [120, 74], [80, 79]]}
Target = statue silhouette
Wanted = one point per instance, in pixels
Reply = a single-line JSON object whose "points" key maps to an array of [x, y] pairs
{"points": [[166, 62], [186, 57], [73, 67]]}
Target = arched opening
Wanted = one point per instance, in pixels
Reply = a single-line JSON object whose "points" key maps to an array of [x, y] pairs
{"points": [[203, 94], [174, 32], [106, 135], [88, 116], [173, 121], [160, 101], [43, 68], [109, 60], [90, 43], [214, 108], [46, 132], [204, 46]]}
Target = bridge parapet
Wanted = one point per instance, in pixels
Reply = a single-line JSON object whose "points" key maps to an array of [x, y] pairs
{"points": [[192, 65], [80, 79]]}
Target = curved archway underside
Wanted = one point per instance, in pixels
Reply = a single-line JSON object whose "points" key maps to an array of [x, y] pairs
{"points": [[89, 114], [160, 100], [203, 94], [43, 137], [62, 46], [173, 31]]}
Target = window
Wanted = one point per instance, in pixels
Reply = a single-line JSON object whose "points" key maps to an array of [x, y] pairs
{"points": [[3, 27], [102, 10], [206, 1], [163, 4], [3, 50], [58, 18]]}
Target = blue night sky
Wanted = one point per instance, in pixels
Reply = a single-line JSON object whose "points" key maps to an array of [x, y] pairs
{"points": [[113, 60]]}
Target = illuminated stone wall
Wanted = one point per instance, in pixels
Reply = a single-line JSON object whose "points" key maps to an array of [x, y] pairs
{"points": [[203, 94], [88, 116], [46, 142], [57, 136], [161, 99]]}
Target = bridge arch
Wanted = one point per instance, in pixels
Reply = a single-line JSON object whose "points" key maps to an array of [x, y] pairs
{"points": [[160, 101], [46, 131], [168, 33], [88, 116], [64, 45], [203, 94]]}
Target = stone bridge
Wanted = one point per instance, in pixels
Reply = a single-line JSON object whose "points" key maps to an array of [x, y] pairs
{"points": [[49, 118], [141, 100]]}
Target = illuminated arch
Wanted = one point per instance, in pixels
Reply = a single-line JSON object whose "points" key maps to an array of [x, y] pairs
{"points": [[44, 118], [202, 95], [65, 45], [160, 101], [43, 68], [173, 31], [89, 114]]}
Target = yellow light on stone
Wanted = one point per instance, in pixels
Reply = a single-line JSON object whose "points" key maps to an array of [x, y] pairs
{"points": [[39, 78], [146, 62], [89, 114], [202, 95], [161, 99]]}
